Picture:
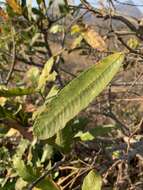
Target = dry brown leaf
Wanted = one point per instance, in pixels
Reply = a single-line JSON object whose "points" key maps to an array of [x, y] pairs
{"points": [[3, 14], [94, 39], [15, 6]]}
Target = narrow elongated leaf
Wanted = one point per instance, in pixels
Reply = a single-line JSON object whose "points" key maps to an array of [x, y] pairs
{"points": [[76, 96], [16, 92], [92, 181], [46, 75]]}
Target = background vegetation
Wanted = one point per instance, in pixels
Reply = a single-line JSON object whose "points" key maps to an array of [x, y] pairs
{"points": [[70, 96]]}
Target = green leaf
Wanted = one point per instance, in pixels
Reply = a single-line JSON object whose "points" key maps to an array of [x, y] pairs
{"points": [[100, 130], [46, 75], [77, 42], [47, 153], [75, 29], [16, 92], [22, 147], [133, 43], [56, 28], [63, 140], [10, 185], [92, 181], [76, 96], [29, 9], [87, 136], [34, 39], [33, 75], [27, 173], [52, 93]]}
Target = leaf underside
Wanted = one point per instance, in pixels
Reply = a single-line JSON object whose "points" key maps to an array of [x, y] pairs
{"points": [[76, 96]]}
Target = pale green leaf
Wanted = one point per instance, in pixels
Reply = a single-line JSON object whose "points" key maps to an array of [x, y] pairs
{"points": [[56, 28], [92, 181], [34, 39], [38, 111], [29, 9], [100, 130], [47, 153], [46, 75], [133, 43], [2, 101], [20, 184], [53, 92], [76, 96], [33, 75], [75, 29], [85, 136], [77, 42], [22, 147]]}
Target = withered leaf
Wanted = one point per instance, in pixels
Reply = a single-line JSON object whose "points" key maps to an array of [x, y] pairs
{"points": [[3, 14], [15, 6], [94, 39]]}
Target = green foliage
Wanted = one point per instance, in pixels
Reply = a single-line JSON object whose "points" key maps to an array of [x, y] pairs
{"points": [[133, 43], [16, 92], [46, 75], [95, 132], [28, 174], [56, 28], [33, 76], [92, 181], [76, 96], [43, 124], [63, 140]]}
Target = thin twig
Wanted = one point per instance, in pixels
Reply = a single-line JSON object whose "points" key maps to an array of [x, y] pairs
{"points": [[13, 63], [38, 180]]}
